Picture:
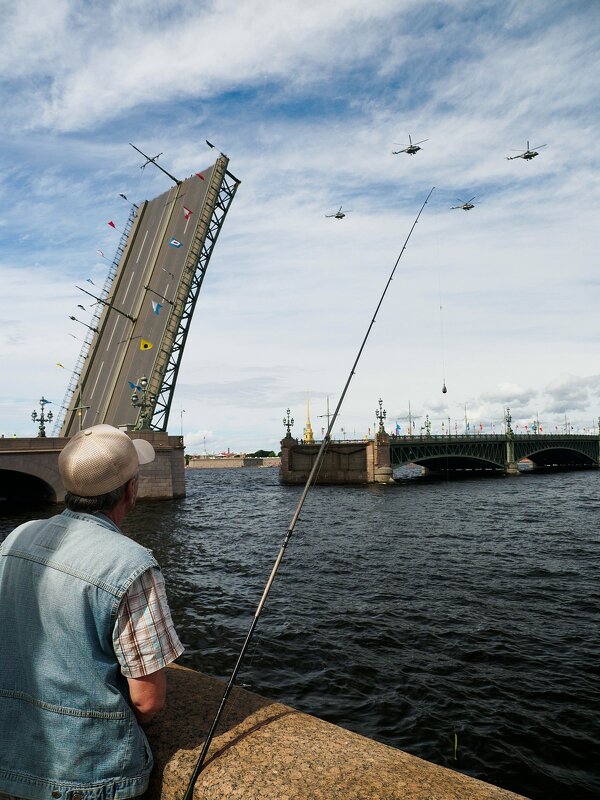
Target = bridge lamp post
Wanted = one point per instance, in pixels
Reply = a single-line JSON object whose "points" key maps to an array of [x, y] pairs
{"points": [[427, 425], [89, 327], [380, 414], [508, 420], [288, 423], [144, 401], [41, 418]]}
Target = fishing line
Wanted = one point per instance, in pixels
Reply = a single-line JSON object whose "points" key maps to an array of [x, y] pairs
{"points": [[442, 338], [309, 482]]}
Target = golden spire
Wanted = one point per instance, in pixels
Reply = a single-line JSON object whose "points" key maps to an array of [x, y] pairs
{"points": [[308, 431]]}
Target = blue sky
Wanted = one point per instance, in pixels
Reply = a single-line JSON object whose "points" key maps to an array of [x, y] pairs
{"points": [[308, 101]]}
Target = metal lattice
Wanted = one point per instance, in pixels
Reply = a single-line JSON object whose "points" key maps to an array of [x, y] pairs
{"points": [[492, 449]]}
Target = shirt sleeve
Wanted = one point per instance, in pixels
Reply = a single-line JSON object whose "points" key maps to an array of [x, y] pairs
{"points": [[144, 638]]}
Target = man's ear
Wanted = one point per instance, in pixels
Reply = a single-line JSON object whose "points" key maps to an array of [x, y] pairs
{"points": [[131, 491]]}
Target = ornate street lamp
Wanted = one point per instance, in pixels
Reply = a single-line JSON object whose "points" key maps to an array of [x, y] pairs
{"points": [[288, 422], [142, 399], [380, 414], [427, 425], [41, 418]]}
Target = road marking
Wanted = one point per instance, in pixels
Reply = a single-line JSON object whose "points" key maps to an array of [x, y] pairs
{"points": [[128, 287], [112, 334], [96, 381], [142, 247]]}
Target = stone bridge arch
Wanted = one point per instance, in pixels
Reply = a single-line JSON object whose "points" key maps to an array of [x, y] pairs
{"points": [[559, 457], [28, 478]]}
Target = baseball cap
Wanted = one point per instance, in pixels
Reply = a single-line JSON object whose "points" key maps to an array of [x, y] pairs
{"points": [[101, 458]]}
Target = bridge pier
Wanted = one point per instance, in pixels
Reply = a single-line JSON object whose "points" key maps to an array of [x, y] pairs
{"points": [[511, 468], [349, 462], [382, 462]]}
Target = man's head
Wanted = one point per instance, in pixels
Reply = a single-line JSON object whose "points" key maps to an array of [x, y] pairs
{"points": [[98, 465]]}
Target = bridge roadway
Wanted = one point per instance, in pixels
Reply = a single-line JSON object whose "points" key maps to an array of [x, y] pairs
{"points": [[150, 270], [495, 452]]}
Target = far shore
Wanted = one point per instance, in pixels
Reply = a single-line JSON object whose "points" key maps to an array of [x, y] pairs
{"points": [[231, 462]]}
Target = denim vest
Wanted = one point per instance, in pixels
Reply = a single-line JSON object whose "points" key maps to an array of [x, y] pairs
{"points": [[66, 727]]}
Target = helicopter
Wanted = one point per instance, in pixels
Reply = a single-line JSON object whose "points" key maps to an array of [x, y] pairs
{"points": [[338, 214], [412, 149], [466, 206], [530, 153]]}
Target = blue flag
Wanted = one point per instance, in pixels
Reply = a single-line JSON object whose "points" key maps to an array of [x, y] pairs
{"points": [[156, 307]]}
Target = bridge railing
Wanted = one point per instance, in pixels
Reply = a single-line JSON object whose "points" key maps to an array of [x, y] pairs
{"points": [[491, 437], [92, 328]]}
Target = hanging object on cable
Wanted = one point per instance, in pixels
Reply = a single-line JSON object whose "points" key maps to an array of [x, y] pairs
{"points": [[444, 390]]}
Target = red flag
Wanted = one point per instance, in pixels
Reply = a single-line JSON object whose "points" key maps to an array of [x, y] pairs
{"points": [[112, 224], [187, 212], [201, 176]]}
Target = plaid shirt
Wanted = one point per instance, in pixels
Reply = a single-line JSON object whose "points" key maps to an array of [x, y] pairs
{"points": [[144, 638]]}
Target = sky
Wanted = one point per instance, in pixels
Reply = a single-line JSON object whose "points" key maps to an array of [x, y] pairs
{"points": [[308, 100]]}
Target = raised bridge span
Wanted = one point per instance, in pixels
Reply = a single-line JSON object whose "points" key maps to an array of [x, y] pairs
{"points": [[127, 369]]}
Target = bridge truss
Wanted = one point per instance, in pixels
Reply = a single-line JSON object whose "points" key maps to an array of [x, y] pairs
{"points": [[495, 451]]}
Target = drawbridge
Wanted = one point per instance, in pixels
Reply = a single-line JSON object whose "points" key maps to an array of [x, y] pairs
{"points": [[127, 369]]}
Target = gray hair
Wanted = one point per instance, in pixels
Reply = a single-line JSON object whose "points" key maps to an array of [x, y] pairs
{"points": [[90, 505]]}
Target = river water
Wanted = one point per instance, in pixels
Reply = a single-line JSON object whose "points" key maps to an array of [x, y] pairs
{"points": [[458, 621]]}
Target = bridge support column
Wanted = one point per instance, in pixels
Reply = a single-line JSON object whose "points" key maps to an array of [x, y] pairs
{"points": [[382, 463], [510, 468]]}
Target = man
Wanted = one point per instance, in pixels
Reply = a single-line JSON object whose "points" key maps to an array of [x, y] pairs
{"points": [[85, 634]]}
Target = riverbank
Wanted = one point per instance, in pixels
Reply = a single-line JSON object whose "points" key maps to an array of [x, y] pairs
{"points": [[230, 462]]}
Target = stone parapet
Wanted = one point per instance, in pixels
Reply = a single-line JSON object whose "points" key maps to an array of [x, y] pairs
{"points": [[268, 751]]}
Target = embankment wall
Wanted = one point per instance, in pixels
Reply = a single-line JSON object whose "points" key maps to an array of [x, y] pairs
{"points": [[268, 751]]}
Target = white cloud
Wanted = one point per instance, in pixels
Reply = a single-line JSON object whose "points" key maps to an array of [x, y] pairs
{"points": [[308, 105]]}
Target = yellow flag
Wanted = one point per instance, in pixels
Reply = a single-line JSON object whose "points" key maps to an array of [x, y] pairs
{"points": [[144, 345]]}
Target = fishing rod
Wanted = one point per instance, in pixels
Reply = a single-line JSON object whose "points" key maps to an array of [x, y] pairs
{"points": [[309, 482]]}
